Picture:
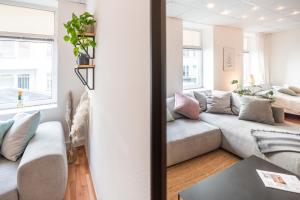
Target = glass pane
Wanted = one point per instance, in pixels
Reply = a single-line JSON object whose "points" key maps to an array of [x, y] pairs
{"points": [[27, 20], [191, 38], [192, 68], [247, 70], [29, 67]]}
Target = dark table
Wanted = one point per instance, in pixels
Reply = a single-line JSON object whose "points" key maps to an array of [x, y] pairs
{"points": [[239, 182]]}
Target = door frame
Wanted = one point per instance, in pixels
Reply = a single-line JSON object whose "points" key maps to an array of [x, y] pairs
{"points": [[158, 100]]}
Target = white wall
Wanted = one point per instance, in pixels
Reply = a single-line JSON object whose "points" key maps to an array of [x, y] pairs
{"points": [[67, 80], [119, 140], [174, 56], [227, 37], [284, 57], [214, 40]]}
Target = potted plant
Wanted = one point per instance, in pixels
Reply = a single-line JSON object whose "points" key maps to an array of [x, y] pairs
{"points": [[76, 29]]}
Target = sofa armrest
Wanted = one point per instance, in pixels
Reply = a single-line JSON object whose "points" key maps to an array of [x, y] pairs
{"points": [[43, 170]]}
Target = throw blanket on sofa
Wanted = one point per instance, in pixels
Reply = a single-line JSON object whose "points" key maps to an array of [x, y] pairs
{"points": [[274, 141]]}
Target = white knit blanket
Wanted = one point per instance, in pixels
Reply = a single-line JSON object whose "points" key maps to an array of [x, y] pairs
{"points": [[276, 141]]}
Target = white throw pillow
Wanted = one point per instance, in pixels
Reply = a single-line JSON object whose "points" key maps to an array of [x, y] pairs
{"points": [[18, 136]]}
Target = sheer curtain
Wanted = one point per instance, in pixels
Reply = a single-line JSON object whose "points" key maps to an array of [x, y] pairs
{"points": [[257, 66]]}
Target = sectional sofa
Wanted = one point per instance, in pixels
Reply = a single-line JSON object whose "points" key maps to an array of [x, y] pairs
{"points": [[187, 138], [41, 173]]}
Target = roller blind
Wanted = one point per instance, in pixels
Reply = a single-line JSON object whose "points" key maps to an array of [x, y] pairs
{"points": [[192, 38], [21, 20]]}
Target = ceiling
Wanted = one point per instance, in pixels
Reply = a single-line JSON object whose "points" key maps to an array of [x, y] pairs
{"points": [[252, 15]]}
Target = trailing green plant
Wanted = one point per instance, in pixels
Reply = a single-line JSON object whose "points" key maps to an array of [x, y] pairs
{"points": [[76, 28], [244, 92], [269, 95], [236, 83]]}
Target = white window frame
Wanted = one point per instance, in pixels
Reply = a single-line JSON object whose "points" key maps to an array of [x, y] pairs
{"points": [[54, 92], [184, 47]]}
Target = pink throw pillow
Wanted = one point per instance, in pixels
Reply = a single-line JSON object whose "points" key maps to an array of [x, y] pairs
{"points": [[186, 106]]}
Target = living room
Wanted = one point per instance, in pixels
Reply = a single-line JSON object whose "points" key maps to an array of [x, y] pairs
{"points": [[226, 56], [153, 99]]}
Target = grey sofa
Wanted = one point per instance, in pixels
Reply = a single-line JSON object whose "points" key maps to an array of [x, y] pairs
{"points": [[190, 138], [41, 173]]}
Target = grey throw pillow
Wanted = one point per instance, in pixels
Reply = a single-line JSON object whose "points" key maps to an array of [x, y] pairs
{"points": [[4, 127], [170, 118], [18, 136], [219, 102], [278, 114], [201, 98], [255, 109], [170, 107], [235, 103], [287, 91]]}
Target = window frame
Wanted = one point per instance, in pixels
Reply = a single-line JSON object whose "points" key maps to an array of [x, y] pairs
{"points": [[27, 36], [189, 47]]}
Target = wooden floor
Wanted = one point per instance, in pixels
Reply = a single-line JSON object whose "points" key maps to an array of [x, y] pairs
{"points": [[179, 177], [186, 174], [293, 119], [80, 186]]}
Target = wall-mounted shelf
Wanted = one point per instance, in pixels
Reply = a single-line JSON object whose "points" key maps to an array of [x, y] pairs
{"points": [[84, 71], [88, 34], [84, 78], [85, 66]]}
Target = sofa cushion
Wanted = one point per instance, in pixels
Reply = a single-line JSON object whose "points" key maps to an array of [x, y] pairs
{"points": [[237, 138], [295, 89], [256, 109], [170, 117], [201, 97], [190, 138], [18, 136], [235, 103], [187, 106], [8, 179], [219, 102], [170, 105], [278, 114], [287, 91], [4, 127]]}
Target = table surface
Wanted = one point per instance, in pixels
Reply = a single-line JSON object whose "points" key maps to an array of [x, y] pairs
{"points": [[239, 182]]}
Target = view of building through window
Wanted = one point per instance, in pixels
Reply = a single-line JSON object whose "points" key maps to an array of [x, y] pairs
{"points": [[192, 59], [27, 65], [192, 68], [26, 56]]}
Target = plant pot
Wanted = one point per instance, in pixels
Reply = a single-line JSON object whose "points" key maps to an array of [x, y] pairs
{"points": [[89, 28], [83, 59]]}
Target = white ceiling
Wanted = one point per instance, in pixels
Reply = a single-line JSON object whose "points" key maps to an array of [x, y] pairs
{"points": [[251, 15]]}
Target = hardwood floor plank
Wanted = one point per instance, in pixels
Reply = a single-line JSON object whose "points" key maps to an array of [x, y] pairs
{"points": [[186, 174], [79, 186]]}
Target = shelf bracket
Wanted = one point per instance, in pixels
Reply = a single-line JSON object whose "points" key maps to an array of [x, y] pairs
{"points": [[85, 80]]}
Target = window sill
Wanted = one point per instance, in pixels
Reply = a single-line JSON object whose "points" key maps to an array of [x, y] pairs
{"points": [[28, 109]]}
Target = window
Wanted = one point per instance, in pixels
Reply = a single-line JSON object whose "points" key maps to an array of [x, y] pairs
{"points": [[23, 81], [254, 59], [192, 59], [27, 58], [246, 60]]}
